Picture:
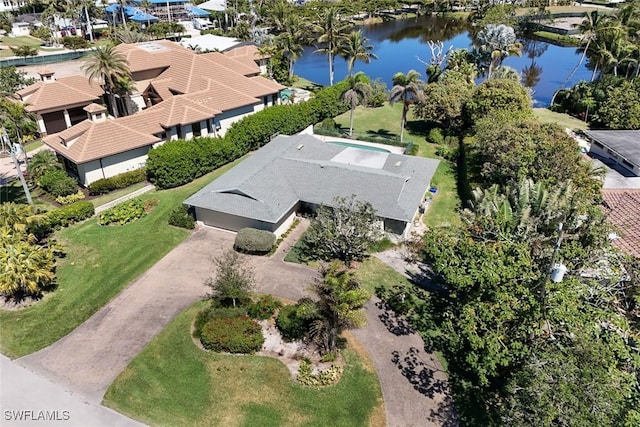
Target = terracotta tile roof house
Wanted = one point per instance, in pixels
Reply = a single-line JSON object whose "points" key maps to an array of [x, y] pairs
{"points": [[623, 208], [300, 172], [182, 95], [58, 103]]}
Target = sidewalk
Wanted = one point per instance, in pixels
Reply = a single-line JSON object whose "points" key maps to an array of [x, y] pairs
{"points": [[28, 399]]}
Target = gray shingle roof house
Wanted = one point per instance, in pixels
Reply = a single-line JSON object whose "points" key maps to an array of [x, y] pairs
{"points": [[299, 173], [621, 147]]}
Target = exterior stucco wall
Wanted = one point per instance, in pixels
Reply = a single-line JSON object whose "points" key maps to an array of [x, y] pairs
{"points": [[227, 118], [234, 222], [603, 151], [112, 165]]}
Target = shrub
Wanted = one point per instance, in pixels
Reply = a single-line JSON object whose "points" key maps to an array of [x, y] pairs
{"points": [[122, 180], [329, 123], [70, 214], [435, 136], [237, 335], [58, 183], [322, 378], [214, 311], [65, 200], [264, 307], [178, 162], [291, 324], [181, 217], [254, 241], [126, 212], [378, 95]]}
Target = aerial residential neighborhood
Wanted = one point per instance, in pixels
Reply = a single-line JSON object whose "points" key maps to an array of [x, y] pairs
{"points": [[277, 212]]}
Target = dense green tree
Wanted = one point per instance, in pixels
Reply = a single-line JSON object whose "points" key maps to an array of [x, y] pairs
{"points": [[234, 279], [519, 149], [444, 99], [344, 232], [12, 80], [497, 95], [620, 108], [20, 124], [356, 94], [407, 88]]}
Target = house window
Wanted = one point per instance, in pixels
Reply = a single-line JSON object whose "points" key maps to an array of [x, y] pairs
{"points": [[266, 101], [197, 131], [627, 164]]}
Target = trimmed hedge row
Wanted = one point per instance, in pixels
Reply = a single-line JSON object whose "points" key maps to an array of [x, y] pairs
{"points": [[70, 214], [122, 180], [178, 162]]}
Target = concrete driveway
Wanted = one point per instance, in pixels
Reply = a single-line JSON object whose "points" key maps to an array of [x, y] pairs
{"points": [[88, 359]]}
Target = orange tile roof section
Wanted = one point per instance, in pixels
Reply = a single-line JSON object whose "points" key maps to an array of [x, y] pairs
{"points": [[96, 140], [623, 208], [60, 93]]}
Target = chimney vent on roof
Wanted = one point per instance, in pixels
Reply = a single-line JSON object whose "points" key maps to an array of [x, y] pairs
{"points": [[96, 112], [300, 147], [46, 75]]}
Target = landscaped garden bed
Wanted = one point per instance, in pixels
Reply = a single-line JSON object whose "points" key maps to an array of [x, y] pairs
{"points": [[173, 382]]}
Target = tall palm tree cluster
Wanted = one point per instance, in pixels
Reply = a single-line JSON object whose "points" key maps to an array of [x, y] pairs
{"points": [[611, 42]]}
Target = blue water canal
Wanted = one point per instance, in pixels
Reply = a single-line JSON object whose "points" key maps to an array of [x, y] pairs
{"points": [[401, 45]]}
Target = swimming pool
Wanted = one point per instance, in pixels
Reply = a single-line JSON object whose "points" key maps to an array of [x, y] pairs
{"points": [[360, 146]]}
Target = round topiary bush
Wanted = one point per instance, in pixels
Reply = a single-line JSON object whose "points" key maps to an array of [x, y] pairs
{"points": [[253, 241], [291, 326], [181, 217], [235, 335]]}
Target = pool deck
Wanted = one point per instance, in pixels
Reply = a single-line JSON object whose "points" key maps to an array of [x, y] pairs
{"points": [[390, 148]]}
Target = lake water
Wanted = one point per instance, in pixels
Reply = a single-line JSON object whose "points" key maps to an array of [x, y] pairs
{"points": [[401, 45]]}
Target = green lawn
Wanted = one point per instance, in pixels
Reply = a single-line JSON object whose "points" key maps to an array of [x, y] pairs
{"points": [[173, 382], [305, 84], [373, 273], [566, 121], [386, 121], [21, 41], [100, 261], [33, 145], [106, 198]]}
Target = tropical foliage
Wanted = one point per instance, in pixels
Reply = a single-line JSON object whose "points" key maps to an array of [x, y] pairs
{"points": [[339, 306], [106, 65], [407, 88]]}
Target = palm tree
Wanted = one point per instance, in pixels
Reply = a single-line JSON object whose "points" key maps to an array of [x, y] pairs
{"points": [[290, 42], [41, 163], [331, 31], [339, 306], [28, 268], [356, 94], [355, 48], [146, 5], [500, 42], [408, 89], [124, 86], [106, 64]]}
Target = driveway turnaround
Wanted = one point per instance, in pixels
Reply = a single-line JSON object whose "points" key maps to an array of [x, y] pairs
{"points": [[28, 399], [88, 359]]}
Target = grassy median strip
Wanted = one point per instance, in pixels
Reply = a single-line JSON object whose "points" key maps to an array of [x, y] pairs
{"points": [[173, 382], [100, 261]]}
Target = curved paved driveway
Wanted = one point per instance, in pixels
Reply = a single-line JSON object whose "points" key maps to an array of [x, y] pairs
{"points": [[88, 359]]}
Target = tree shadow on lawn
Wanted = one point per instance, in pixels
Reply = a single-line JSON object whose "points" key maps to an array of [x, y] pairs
{"points": [[421, 374], [419, 127]]}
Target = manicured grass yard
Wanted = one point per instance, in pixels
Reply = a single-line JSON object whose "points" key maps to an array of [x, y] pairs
{"points": [[386, 120], [173, 382], [566, 121], [100, 262]]}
